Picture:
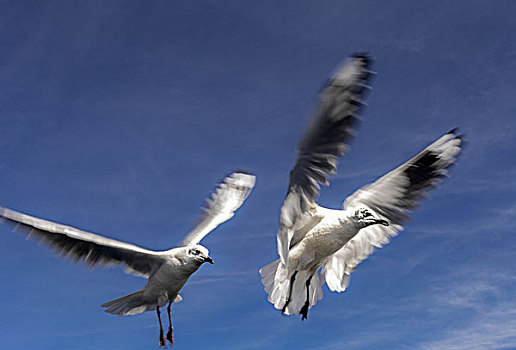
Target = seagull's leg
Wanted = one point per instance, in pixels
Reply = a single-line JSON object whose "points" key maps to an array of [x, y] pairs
{"points": [[304, 309], [161, 339], [170, 336], [292, 279]]}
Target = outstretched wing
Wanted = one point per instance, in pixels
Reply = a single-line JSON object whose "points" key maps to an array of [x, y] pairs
{"points": [[327, 138], [229, 195], [81, 245], [391, 197]]}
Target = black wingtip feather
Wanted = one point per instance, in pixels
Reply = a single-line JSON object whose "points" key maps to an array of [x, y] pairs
{"points": [[453, 131], [243, 171], [363, 55]]}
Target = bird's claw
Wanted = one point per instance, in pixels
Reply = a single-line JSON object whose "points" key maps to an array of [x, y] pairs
{"points": [[304, 311], [170, 336], [162, 342]]}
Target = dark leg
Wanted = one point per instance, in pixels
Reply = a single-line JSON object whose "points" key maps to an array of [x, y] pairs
{"points": [[170, 336], [161, 339], [292, 279], [304, 309]]}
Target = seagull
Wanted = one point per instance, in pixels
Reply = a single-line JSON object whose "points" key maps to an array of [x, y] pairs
{"points": [[167, 271], [318, 245]]}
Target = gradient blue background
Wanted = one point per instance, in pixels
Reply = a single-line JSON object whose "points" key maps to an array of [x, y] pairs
{"points": [[119, 117]]}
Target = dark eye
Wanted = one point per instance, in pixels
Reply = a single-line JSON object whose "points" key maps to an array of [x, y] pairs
{"points": [[195, 252]]}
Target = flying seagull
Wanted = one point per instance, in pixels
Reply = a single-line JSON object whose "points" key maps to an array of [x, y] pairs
{"points": [[167, 271], [317, 244]]}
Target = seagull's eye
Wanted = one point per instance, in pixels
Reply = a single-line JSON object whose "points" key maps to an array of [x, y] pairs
{"points": [[195, 252]]}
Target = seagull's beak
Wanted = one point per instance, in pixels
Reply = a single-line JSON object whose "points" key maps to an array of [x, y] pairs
{"points": [[209, 260], [382, 222]]}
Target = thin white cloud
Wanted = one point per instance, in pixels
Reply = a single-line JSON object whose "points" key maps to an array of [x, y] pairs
{"points": [[499, 219], [239, 277], [466, 309], [493, 321], [494, 330]]}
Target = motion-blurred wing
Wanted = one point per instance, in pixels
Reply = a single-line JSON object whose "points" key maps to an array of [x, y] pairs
{"points": [[229, 195], [391, 197], [81, 245], [327, 138]]}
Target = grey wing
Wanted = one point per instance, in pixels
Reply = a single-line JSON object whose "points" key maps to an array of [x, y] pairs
{"points": [[391, 197], [229, 195], [327, 138], [81, 245]]}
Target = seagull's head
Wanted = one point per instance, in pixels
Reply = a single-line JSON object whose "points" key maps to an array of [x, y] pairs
{"points": [[363, 218], [199, 254]]}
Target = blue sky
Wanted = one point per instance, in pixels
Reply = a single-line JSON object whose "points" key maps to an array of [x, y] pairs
{"points": [[119, 117]]}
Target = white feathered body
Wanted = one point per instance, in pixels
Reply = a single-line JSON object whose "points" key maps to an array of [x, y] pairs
{"points": [[163, 285], [323, 240], [328, 236]]}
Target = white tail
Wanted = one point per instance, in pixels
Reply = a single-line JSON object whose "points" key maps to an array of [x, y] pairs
{"points": [[276, 282], [131, 304]]}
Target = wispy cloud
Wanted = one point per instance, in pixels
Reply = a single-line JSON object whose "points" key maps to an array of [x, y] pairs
{"points": [[500, 219], [493, 320], [495, 329], [465, 309], [234, 277]]}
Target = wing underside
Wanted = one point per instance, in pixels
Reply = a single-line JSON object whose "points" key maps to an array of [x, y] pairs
{"points": [[79, 245], [392, 198], [229, 195]]}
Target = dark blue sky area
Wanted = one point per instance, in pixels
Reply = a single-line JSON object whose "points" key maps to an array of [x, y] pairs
{"points": [[119, 117]]}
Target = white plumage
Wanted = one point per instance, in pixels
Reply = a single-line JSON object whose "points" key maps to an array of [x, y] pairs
{"points": [[167, 271], [318, 245]]}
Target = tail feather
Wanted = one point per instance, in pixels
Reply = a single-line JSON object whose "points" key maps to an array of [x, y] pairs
{"points": [[268, 273], [131, 304], [276, 282]]}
